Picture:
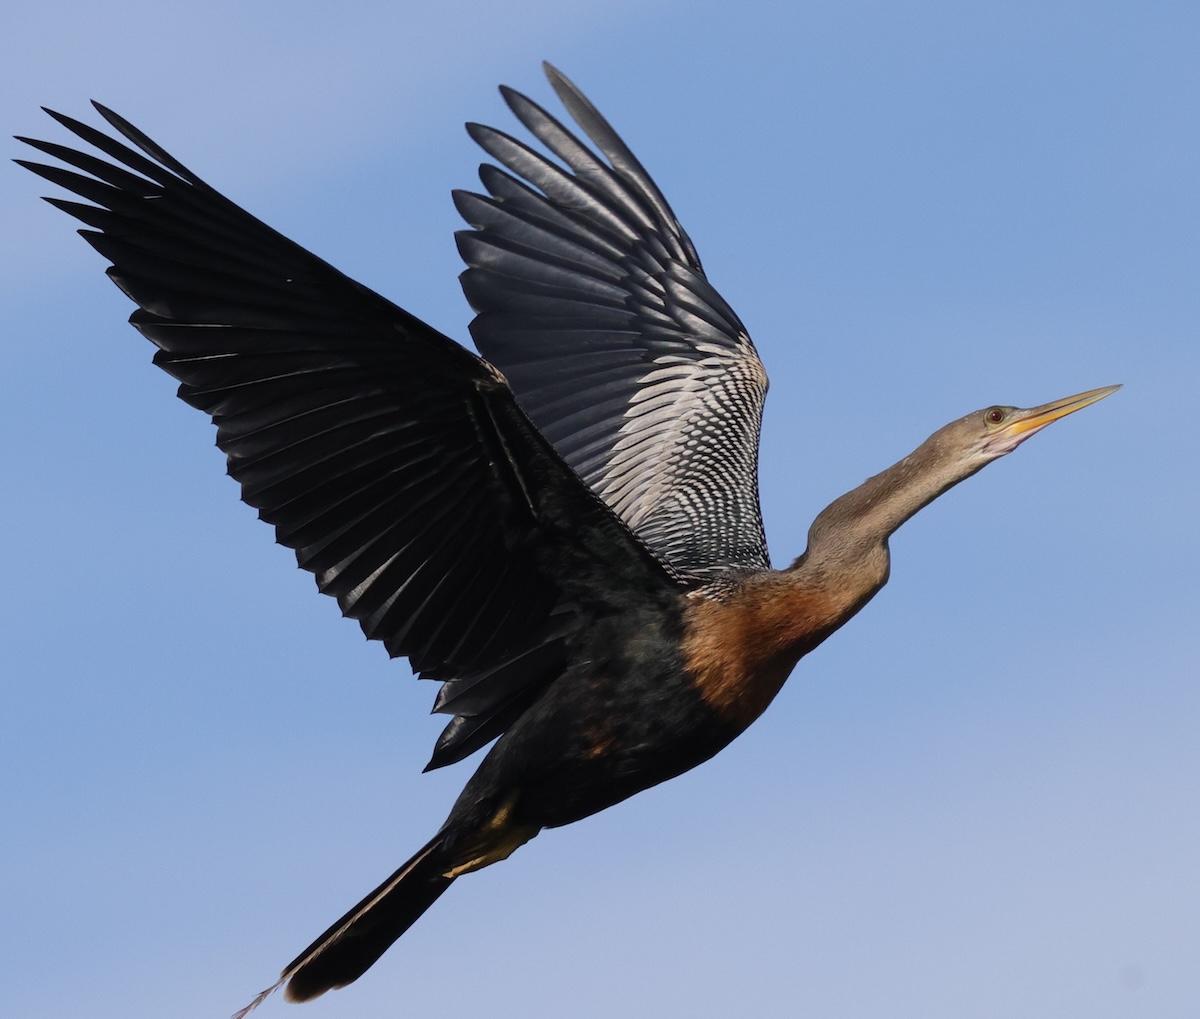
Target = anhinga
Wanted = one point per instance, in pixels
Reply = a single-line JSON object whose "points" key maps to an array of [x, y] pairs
{"points": [[567, 534]]}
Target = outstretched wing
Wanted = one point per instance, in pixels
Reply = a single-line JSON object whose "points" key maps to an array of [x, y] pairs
{"points": [[395, 462], [593, 303]]}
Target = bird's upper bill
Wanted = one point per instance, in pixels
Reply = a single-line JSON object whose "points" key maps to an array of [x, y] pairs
{"points": [[1020, 424]]}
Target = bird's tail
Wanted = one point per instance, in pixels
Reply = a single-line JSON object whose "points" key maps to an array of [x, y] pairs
{"points": [[348, 949]]}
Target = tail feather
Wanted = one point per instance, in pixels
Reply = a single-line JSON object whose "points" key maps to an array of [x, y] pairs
{"points": [[348, 949]]}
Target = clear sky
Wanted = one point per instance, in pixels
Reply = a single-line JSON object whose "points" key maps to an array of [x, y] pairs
{"points": [[978, 800]]}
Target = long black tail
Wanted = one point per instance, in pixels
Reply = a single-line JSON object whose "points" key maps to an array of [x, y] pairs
{"points": [[348, 949]]}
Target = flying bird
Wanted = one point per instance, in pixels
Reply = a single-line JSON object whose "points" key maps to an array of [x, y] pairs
{"points": [[565, 531]]}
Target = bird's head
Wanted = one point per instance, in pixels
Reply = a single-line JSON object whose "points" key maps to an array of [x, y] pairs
{"points": [[985, 435]]}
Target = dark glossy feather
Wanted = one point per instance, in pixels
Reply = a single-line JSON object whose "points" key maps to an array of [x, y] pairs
{"points": [[593, 302]]}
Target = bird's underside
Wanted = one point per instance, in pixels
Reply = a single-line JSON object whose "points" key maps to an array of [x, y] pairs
{"points": [[566, 535]]}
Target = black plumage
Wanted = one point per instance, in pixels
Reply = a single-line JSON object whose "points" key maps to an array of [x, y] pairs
{"points": [[393, 461]]}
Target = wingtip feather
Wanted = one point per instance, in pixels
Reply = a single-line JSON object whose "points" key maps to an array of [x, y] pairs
{"points": [[554, 75]]}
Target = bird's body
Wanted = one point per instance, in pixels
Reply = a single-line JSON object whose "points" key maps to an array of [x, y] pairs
{"points": [[649, 693], [652, 694], [581, 565]]}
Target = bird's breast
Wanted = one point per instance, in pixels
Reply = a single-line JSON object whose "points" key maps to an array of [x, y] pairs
{"points": [[740, 648]]}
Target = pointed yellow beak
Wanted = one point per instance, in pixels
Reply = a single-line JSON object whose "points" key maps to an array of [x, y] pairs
{"points": [[1036, 418], [1021, 424]]}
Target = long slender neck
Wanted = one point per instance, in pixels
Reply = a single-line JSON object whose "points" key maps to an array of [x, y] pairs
{"points": [[860, 522]]}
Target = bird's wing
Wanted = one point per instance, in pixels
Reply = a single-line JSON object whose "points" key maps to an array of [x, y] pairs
{"points": [[592, 301], [396, 463]]}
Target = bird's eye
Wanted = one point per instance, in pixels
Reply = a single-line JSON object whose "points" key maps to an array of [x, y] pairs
{"points": [[994, 416]]}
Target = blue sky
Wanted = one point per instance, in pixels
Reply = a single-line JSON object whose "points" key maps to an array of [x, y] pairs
{"points": [[979, 799]]}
